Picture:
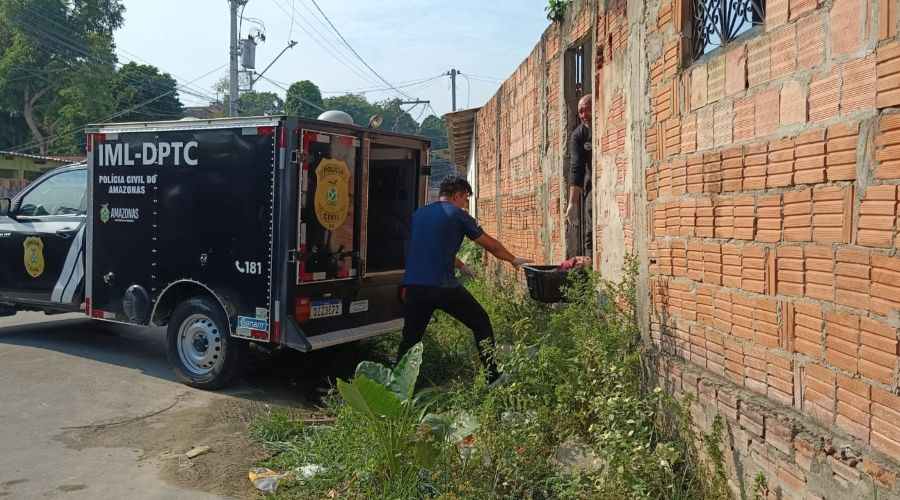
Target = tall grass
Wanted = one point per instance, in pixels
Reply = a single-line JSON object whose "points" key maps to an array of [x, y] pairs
{"points": [[576, 389]]}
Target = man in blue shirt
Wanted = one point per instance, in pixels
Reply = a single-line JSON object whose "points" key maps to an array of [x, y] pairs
{"points": [[437, 233]]}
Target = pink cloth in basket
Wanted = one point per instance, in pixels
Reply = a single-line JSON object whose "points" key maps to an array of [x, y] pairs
{"points": [[573, 263]]}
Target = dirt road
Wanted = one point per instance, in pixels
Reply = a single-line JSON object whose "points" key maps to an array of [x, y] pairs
{"points": [[92, 410]]}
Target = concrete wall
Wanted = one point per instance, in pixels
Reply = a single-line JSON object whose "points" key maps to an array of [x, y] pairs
{"points": [[758, 189], [26, 167]]}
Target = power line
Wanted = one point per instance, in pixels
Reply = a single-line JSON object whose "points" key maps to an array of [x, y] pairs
{"points": [[405, 83], [468, 89], [78, 128], [155, 111], [310, 103], [488, 77], [61, 41], [482, 80], [291, 32], [336, 54], [357, 54], [77, 45]]}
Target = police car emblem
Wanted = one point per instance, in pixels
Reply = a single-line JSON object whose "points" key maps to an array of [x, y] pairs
{"points": [[34, 256], [332, 198]]}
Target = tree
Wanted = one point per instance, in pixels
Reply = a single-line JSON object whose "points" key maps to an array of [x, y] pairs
{"points": [[435, 129], [304, 99], [55, 60], [259, 103], [354, 105], [13, 130], [395, 118], [152, 94]]}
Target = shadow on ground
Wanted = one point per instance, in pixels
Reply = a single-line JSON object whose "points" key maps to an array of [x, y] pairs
{"points": [[280, 376]]}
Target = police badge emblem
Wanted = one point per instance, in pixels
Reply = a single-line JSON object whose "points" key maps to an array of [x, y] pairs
{"points": [[34, 256], [332, 200]]}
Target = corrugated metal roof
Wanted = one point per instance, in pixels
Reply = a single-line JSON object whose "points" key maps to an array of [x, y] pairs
{"points": [[63, 159]]}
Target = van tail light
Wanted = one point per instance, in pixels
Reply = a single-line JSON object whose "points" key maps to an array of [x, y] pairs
{"points": [[301, 309], [402, 293]]}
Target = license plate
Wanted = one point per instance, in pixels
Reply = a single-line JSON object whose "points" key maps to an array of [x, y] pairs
{"points": [[325, 308]]}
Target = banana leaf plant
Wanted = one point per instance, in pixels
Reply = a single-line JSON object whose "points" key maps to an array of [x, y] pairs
{"points": [[399, 420]]}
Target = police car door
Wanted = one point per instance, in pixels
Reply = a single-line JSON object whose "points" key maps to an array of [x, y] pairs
{"points": [[43, 240], [328, 229]]}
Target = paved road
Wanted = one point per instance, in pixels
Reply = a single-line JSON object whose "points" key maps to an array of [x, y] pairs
{"points": [[92, 410], [66, 371]]}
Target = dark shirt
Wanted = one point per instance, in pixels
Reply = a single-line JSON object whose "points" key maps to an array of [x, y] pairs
{"points": [[437, 232], [580, 166]]}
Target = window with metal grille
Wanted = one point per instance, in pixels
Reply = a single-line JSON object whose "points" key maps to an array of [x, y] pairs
{"points": [[717, 22]]}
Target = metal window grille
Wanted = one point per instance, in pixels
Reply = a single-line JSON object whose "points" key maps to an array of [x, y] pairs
{"points": [[717, 22], [579, 70]]}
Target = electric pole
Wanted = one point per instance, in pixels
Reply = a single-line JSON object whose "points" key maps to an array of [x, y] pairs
{"points": [[453, 74], [233, 73]]}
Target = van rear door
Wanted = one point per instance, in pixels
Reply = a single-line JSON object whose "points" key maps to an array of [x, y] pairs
{"points": [[328, 232]]}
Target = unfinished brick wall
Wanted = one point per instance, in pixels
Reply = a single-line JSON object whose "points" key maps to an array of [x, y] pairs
{"points": [[521, 148], [613, 195], [522, 144], [771, 183], [760, 188]]}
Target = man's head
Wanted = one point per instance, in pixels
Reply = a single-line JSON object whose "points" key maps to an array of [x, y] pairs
{"points": [[584, 110], [456, 190]]}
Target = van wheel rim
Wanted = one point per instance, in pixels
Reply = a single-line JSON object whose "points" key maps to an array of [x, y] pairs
{"points": [[200, 344]]}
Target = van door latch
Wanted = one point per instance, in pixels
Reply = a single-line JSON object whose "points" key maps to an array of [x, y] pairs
{"points": [[296, 255]]}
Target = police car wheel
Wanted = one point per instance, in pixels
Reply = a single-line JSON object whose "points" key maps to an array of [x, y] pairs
{"points": [[199, 346]]}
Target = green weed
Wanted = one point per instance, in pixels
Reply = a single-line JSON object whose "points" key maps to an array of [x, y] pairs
{"points": [[578, 387], [275, 425]]}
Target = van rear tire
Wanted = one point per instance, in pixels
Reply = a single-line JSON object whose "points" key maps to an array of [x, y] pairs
{"points": [[199, 346]]}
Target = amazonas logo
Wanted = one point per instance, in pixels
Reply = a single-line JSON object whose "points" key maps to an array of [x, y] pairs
{"points": [[118, 214]]}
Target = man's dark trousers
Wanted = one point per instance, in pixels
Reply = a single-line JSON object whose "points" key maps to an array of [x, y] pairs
{"points": [[587, 228], [421, 302]]}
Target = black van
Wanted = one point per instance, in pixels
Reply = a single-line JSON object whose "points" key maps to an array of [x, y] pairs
{"points": [[276, 230]]}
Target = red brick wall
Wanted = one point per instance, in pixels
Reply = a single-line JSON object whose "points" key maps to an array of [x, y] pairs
{"points": [[769, 194], [522, 142], [520, 154], [772, 207], [613, 195]]}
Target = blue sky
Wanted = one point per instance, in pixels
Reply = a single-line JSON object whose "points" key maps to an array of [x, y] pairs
{"points": [[403, 40]]}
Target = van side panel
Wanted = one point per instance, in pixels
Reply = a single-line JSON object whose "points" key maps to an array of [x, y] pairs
{"points": [[203, 215]]}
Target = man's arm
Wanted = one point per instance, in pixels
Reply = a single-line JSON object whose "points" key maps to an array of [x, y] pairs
{"points": [[575, 195], [475, 233], [497, 249], [464, 269]]}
